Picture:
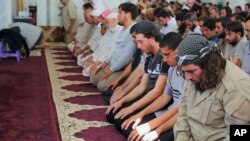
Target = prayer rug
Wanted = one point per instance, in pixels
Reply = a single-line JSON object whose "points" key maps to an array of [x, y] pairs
{"points": [[80, 107]]}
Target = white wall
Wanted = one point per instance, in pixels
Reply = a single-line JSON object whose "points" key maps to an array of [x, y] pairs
{"points": [[54, 13], [233, 3], [49, 12], [79, 10], [41, 12], [32, 2]]}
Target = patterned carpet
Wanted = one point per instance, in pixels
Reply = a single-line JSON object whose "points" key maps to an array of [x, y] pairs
{"points": [[80, 107], [27, 111]]}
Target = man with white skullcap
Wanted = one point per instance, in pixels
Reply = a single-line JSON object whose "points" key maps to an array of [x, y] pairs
{"points": [[216, 94], [106, 45]]}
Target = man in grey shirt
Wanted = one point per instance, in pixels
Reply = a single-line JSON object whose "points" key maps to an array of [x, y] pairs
{"points": [[245, 52], [123, 51], [31, 33], [236, 41]]}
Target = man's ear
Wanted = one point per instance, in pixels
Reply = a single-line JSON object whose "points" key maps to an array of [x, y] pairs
{"points": [[176, 50], [239, 36], [152, 39], [128, 15]]}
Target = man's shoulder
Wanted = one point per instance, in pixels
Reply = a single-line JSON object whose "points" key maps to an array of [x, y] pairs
{"points": [[242, 42], [234, 78]]}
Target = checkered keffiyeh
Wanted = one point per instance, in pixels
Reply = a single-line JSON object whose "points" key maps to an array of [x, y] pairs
{"points": [[192, 49]]}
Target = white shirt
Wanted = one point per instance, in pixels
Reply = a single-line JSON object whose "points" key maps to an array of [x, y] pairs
{"points": [[197, 30], [171, 27], [95, 38], [107, 44], [84, 33], [30, 33]]}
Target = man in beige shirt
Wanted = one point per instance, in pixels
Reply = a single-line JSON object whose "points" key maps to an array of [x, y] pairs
{"points": [[69, 20], [216, 95]]}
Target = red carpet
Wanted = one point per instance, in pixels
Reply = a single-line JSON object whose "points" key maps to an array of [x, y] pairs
{"points": [[27, 111]]}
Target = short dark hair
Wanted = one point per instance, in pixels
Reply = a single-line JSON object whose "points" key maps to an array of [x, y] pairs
{"points": [[235, 26], [128, 7], [248, 5], [209, 23], [163, 13], [148, 29], [206, 10], [87, 6], [238, 17], [133, 28], [196, 8], [157, 10], [238, 7], [224, 21], [228, 11], [171, 40], [154, 34], [171, 2]]}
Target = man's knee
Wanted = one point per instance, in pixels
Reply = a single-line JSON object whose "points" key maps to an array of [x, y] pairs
{"points": [[94, 80], [100, 87], [167, 136]]}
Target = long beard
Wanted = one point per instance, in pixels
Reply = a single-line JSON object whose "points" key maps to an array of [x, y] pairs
{"points": [[200, 85], [199, 88], [203, 86], [233, 43], [121, 24]]}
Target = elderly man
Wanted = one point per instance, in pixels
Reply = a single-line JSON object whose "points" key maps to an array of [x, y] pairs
{"points": [[106, 45], [216, 94]]}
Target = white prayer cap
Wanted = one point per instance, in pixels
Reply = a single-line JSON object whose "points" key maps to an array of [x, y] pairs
{"points": [[112, 15], [95, 13]]}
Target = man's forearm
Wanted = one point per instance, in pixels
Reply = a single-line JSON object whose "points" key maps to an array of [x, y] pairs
{"points": [[130, 86], [167, 125]]}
